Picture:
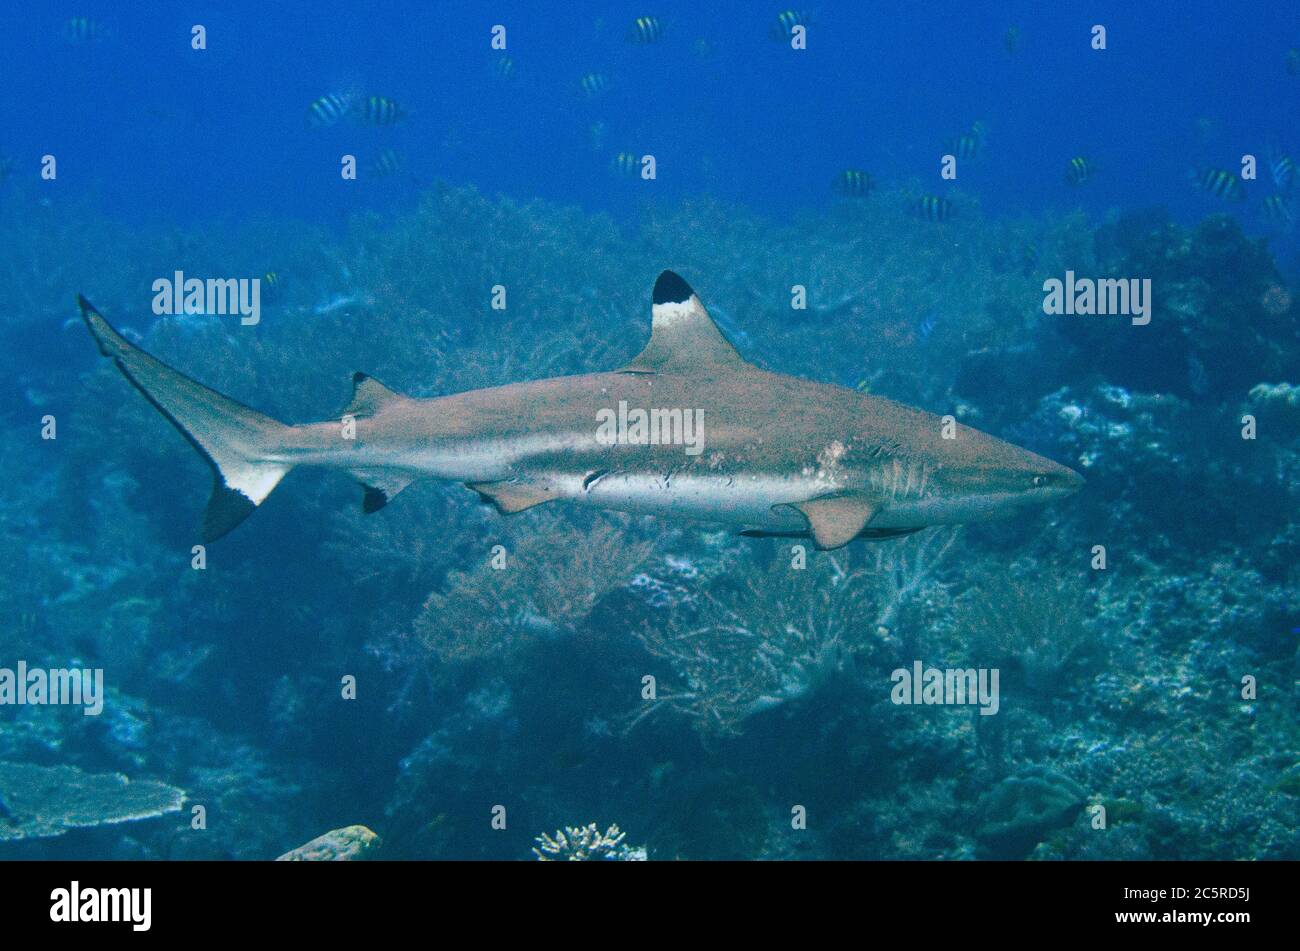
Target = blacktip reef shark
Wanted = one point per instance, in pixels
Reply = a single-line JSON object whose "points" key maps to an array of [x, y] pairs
{"points": [[708, 437]]}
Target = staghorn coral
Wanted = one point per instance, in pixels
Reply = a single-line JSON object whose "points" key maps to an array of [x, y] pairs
{"points": [[44, 801], [587, 844]]}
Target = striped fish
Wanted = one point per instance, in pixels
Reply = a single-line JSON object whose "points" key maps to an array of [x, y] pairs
{"points": [[933, 208], [504, 68], [785, 23], [626, 164], [1219, 183], [1078, 171], [854, 182], [84, 30], [645, 30], [378, 110], [388, 162], [1282, 168], [328, 110], [594, 84], [964, 146], [1280, 210]]}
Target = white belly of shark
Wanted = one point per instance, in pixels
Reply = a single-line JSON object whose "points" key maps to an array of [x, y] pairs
{"points": [[747, 501]]}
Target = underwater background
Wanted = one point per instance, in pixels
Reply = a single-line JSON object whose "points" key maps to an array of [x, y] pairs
{"points": [[1162, 687]]}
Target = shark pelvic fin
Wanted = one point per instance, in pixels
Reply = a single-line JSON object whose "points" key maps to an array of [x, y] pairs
{"points": [[836, 520], [380, 485], [683, 337], [369, 396], [510, 497]]}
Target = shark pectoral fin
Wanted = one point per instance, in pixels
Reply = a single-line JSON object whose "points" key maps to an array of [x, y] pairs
{"points": [[836, 520], [368, 396], [511, 497], [381, 486]]}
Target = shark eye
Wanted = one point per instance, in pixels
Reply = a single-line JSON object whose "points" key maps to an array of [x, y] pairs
{"points": [[1039, 480]]}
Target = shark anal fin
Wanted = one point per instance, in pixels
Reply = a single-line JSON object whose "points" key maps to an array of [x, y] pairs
{"points": [[510, 497], [369, 396], [836, 520], [380, 487], [683, 337]]}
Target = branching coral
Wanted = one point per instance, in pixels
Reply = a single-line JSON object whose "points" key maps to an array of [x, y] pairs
{"points": [[1034, 625], [553, 575], [782, 631], [587, 844]]}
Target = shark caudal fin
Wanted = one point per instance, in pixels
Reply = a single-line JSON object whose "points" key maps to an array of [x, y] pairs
{"points": [[239, 443]]}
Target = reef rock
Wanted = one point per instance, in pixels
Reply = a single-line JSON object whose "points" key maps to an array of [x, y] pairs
{"points": [[349, 844]]}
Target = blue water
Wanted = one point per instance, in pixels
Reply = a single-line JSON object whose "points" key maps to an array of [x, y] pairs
{"points": [[147, 126], [1122, 684]]}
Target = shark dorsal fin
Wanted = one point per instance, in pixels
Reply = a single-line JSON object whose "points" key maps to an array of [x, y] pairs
{"points": [[368, 396], [683, 337]]}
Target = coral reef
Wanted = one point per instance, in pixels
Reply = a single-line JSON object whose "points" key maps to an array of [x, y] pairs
{"points": [[587, 844], [41, 801], [522, 685], [349, 844], [1020, 811]]}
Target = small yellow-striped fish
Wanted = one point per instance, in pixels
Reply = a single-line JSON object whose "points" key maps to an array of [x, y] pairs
{"points": [[594, 84], [626, 164], [645, 30], [388, 162], [378, 110], [855, 182], [328, 110], [84, 30], [933, 208], [785, 23], [1219, 183], [1078, 171]]}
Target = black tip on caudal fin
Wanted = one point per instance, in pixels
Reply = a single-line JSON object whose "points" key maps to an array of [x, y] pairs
{"points": [[671, 289], [240, 444]]}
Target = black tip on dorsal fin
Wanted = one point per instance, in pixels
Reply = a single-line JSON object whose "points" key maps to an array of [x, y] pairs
{"points": [[671, 289], [368, 395], [373, 500]]}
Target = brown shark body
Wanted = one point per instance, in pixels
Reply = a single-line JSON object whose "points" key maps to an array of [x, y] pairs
{"points": [[688, 429]]}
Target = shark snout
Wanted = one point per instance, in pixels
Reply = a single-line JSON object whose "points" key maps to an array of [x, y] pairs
{"points": [[1055, 481]]}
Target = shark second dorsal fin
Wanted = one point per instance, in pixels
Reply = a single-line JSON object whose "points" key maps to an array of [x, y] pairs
{"points": [[368, 396], [683, 337]]}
